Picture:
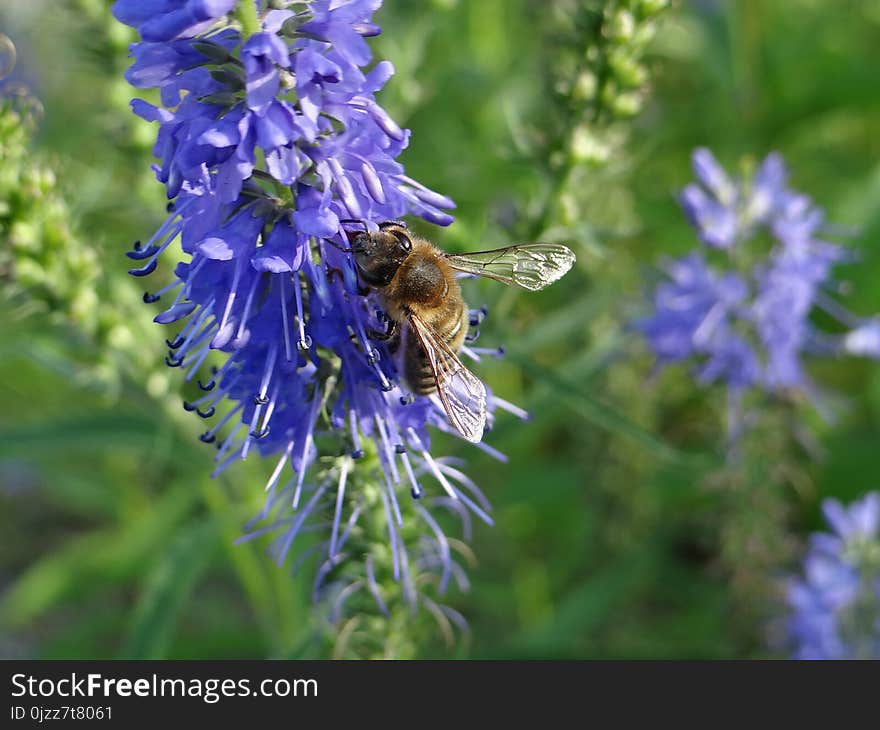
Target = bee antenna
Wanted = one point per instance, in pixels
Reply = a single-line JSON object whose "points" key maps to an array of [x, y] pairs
{"points": [[338, 247], [355, 220], [399, 224]]}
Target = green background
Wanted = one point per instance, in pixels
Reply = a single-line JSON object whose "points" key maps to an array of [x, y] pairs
{"points": [[618, 533]]}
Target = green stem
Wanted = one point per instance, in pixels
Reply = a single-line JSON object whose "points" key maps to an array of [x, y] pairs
{"points": [[246, 15]]}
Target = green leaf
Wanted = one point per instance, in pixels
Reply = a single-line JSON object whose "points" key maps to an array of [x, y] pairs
{"points": [[588, 606], [167, 587], [607, 417], [96, 559], [101, 432]]}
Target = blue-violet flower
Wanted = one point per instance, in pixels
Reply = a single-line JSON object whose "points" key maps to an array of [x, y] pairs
{"points": [[739, 307], [265, 144], [834, 608]]}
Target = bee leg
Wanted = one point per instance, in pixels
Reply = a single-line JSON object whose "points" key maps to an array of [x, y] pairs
{"points": [[333, 271], [386, 335]]}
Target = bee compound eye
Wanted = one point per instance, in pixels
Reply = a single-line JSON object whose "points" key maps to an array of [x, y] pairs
{"points": [[404, 240]]}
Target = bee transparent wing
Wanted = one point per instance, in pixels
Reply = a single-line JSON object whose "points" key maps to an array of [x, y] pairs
{"points": [[463, 394], [529, 265]]}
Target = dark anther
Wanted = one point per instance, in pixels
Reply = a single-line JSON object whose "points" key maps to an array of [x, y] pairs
{"points": [[501, 351], [366, 30], [175, 343], [214, 370], [416, 493], [170, 206], [472, 336], [399, 449], [476, 317], [139, 253], [206, 414], [208, 387], [357, 454], [207, 438], [261, 400], [146, 270], [220, 445], [260, 434], [405, 400], [136, 245], [150, 298], [173, 362], [187, 406]]}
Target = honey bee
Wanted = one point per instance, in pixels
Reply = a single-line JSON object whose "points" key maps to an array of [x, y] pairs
{"points": [[428, 318]]}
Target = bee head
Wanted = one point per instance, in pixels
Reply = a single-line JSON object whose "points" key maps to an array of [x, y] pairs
{"points": [[379, 254]]}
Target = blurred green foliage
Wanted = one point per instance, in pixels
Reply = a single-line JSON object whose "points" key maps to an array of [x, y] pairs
{"points": [[620, 531]]}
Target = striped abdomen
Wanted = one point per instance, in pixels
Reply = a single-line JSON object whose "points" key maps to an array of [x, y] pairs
{"points": [[451, 325]]}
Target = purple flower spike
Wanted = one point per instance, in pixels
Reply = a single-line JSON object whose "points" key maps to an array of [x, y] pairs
{"points": [[834, 608], [746, 321], [265, 145], [165, 20]]}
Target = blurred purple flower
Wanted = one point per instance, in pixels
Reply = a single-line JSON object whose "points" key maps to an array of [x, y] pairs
{"points": [[165, 20], [834, 608], [265, 144], [746, 322]]}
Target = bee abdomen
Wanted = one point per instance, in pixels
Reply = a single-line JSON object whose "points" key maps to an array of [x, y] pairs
{"points": [[417, 367]]}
